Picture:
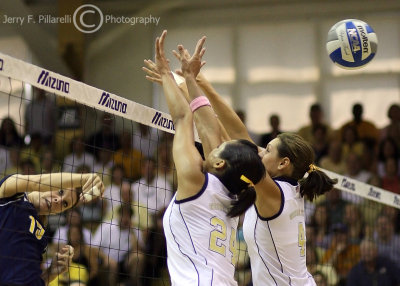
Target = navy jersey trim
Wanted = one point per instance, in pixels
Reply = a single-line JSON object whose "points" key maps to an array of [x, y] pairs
{"points": [[291, 181], [280, 209], [203, 188]]}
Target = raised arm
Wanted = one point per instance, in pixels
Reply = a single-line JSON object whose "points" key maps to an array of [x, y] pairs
{"points": [[49, 182], [228, 117], [188, 161], [207, 124]]}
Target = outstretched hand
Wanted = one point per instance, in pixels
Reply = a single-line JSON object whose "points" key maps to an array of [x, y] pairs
{"points": [[191, 65], [160, 67]]}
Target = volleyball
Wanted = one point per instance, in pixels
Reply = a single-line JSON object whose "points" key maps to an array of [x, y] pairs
{"points": [[351, 44]]}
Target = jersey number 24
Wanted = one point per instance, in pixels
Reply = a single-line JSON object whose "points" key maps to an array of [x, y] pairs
{"points": [[218, 239]]}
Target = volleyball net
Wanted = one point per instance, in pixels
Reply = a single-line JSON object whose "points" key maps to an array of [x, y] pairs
{"points": [[52, 123]]}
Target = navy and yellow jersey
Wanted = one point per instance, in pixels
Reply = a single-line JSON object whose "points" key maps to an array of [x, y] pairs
{"points": [[22, 242]]}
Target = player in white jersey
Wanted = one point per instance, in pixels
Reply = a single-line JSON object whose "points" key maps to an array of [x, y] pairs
{"points": [[200, 222], [274, 226], [277, 245]]}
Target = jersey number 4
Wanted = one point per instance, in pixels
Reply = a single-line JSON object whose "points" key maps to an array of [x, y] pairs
{"points": [[36, 228], [218, 239], [302, 239]]}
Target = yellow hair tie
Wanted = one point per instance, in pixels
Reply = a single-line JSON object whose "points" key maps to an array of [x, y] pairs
{"points": [[312, 168], [246, 180]]}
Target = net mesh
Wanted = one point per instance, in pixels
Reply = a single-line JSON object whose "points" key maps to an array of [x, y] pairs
{"points": [[50, 123]]}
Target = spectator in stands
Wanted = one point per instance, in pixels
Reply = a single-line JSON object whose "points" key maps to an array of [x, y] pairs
{"points": [[393, 214], [155, 259], [314, 266], [106, 137], [104, 164], [122, 245], [373, 269], [274, 122], [13, 163], [351, 142], [73, 217], [391, 180], [41, 116], [387, 241], [48, 164], [112, 194], [355, 223], [27, 167], [85, 254], [335, 206], [392, 130], [146, 140], [387, 149], [366, 130], [9, 136], [354, 170], [321, 141], [78, 156], [316, 117], [342, 254], [321, 225], [128, 157], [165, 164], [333, 161], [34, 151], [152, 191]]}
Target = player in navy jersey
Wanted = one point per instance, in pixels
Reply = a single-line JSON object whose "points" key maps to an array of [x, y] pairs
{"points": [[25, 202], [201, 220]]}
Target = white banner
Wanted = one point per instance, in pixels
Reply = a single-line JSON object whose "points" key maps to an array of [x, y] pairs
{"points": [[82, 93]]}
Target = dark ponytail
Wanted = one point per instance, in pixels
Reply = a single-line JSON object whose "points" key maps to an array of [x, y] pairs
{"points": [[245, 199], [241, 159], [316, 184], [302, 156]]}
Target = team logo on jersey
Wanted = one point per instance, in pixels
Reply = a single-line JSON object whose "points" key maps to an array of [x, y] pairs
{"points": [[1, 64], [107, 101]]}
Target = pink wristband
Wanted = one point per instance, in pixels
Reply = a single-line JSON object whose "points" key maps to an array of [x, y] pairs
{"points": [[199, 102]]}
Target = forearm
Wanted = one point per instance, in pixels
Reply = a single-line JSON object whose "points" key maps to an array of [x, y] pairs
{"points": [[207, 123], [177, 104], [47, 276], [228, 117], [39, 183]]}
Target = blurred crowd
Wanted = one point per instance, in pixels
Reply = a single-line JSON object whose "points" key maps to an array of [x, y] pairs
{"points": [[119, 238]]}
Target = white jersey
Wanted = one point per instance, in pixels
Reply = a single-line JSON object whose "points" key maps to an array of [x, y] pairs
{"points": [[201, 238], [277, 245]]}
